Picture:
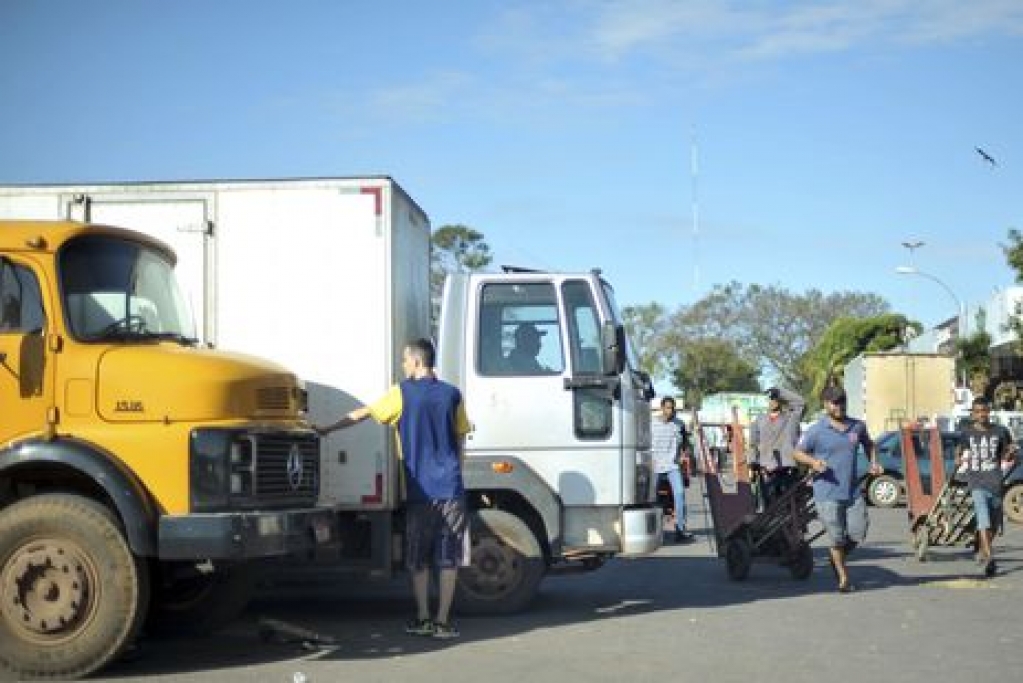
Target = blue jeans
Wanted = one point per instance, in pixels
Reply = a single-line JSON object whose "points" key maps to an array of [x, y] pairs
{"points": [[678, 493], [987, 507], [844, 520]]}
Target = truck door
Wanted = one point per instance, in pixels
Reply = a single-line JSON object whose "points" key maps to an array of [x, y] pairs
{"points": [[531, 337], [26, 368], [181, 222]]}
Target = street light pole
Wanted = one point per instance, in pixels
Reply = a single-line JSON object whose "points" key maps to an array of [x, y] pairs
{"points": [[960, 310], [912, 245]]}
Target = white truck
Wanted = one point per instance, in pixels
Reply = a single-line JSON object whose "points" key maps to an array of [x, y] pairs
{"points": [[330, 277]]}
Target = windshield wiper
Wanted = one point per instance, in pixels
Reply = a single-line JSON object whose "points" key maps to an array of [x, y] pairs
{"points": [[122, 334], [173, 336]]}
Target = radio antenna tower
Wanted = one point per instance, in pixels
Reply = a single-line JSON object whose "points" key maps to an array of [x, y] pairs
{"points": [[694, 171]]}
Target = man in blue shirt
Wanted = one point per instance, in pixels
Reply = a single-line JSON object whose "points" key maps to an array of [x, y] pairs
{"points": [[430, 418], [829, 448]]}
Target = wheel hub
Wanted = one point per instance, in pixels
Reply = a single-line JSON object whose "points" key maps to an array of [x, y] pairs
{"points": [[495, 566], [45, 588]]}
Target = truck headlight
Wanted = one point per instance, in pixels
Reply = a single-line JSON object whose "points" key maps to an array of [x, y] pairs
{"points": [[210, 451]]}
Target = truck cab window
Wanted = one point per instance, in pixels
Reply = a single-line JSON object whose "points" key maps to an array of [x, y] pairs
{"points": [[519, 331], [592, 407], [583, 327], [21, 306], [114, 288]]}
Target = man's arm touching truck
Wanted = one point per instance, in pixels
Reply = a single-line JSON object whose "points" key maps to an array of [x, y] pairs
{"points": [[331, 277], [141, 475]]}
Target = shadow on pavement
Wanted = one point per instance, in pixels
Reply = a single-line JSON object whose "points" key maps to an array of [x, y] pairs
{"points": [[366, 620]]}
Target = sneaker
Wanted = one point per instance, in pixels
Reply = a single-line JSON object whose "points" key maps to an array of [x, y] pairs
{"points": [[445, 631], [420, 627], [682, 536], [990, 568]]}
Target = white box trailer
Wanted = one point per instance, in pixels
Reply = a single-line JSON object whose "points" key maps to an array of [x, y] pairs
{"points": [[331, 277], [328, 276], [891, 389]]}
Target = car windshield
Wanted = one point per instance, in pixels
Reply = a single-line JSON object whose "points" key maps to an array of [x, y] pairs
{"points": [[114, 288]]}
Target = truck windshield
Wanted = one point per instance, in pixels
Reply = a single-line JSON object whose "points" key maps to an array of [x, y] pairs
{"points": [[616, 315], [118, 289]]}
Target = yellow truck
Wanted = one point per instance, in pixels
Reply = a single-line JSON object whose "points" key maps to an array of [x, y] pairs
{"points": [[143, 475]]}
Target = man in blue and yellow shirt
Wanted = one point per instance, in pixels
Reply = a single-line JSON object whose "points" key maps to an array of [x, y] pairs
{"points": [[430, 418]]}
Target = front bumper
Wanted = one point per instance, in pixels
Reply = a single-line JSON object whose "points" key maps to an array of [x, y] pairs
{"points": [[641, 530], [248, 535]]}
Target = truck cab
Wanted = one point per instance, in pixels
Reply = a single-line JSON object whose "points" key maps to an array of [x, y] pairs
{"points": [[142, 474], [560, 445]]}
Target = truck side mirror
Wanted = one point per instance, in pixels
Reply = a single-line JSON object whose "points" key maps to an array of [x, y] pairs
{"points": [[612, 344], [648, 385]]}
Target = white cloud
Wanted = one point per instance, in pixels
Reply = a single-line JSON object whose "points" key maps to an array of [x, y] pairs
{"points": [[768, 30], [530, 62], [424, 101]]}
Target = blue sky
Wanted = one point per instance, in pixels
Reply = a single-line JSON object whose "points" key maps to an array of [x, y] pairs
{"points": [[827, 133]]}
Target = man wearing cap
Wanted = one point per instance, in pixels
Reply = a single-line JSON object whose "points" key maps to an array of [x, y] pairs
{"points": [[522, 359], [773, 437], [829, 448]]}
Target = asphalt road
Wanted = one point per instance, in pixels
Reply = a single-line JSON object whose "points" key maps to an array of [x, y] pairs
{"points": [[671, 616]]}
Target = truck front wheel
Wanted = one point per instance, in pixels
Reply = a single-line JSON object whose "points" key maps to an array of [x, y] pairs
{"points": [[506, 565], [72, 595]]}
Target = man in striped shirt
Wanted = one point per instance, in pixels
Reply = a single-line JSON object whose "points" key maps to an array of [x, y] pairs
{"points": [[669, 451]]}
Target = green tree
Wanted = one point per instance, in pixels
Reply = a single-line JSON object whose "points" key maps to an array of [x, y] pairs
{"points": [[707, 366], [1014, 257], [770, 327], [645, 325], [454, 249], [973, 358], [847, 338]]}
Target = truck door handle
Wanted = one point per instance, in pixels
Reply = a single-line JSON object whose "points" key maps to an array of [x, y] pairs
{"points": [[587, 382]]}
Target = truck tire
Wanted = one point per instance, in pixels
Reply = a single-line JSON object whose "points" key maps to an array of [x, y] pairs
{"points": [[1012, 503], [884, 491], [506, 565], [187, 602], [73, 596]]}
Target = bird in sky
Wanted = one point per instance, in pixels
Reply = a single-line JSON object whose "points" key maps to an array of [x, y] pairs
{"points": [[986, 157]]}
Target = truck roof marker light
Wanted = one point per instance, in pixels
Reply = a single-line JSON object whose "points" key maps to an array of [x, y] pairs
{"points": [[502, 467], [37, 242]]}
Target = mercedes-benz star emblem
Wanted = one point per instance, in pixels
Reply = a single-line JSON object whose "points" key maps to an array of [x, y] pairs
{"points": [[295, 467]]}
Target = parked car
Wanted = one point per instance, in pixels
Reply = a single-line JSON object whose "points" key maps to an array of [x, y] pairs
{"points": [[888, 488]]}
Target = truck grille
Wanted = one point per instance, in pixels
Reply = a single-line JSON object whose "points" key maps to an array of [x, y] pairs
{"points": [[287, 467]]}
